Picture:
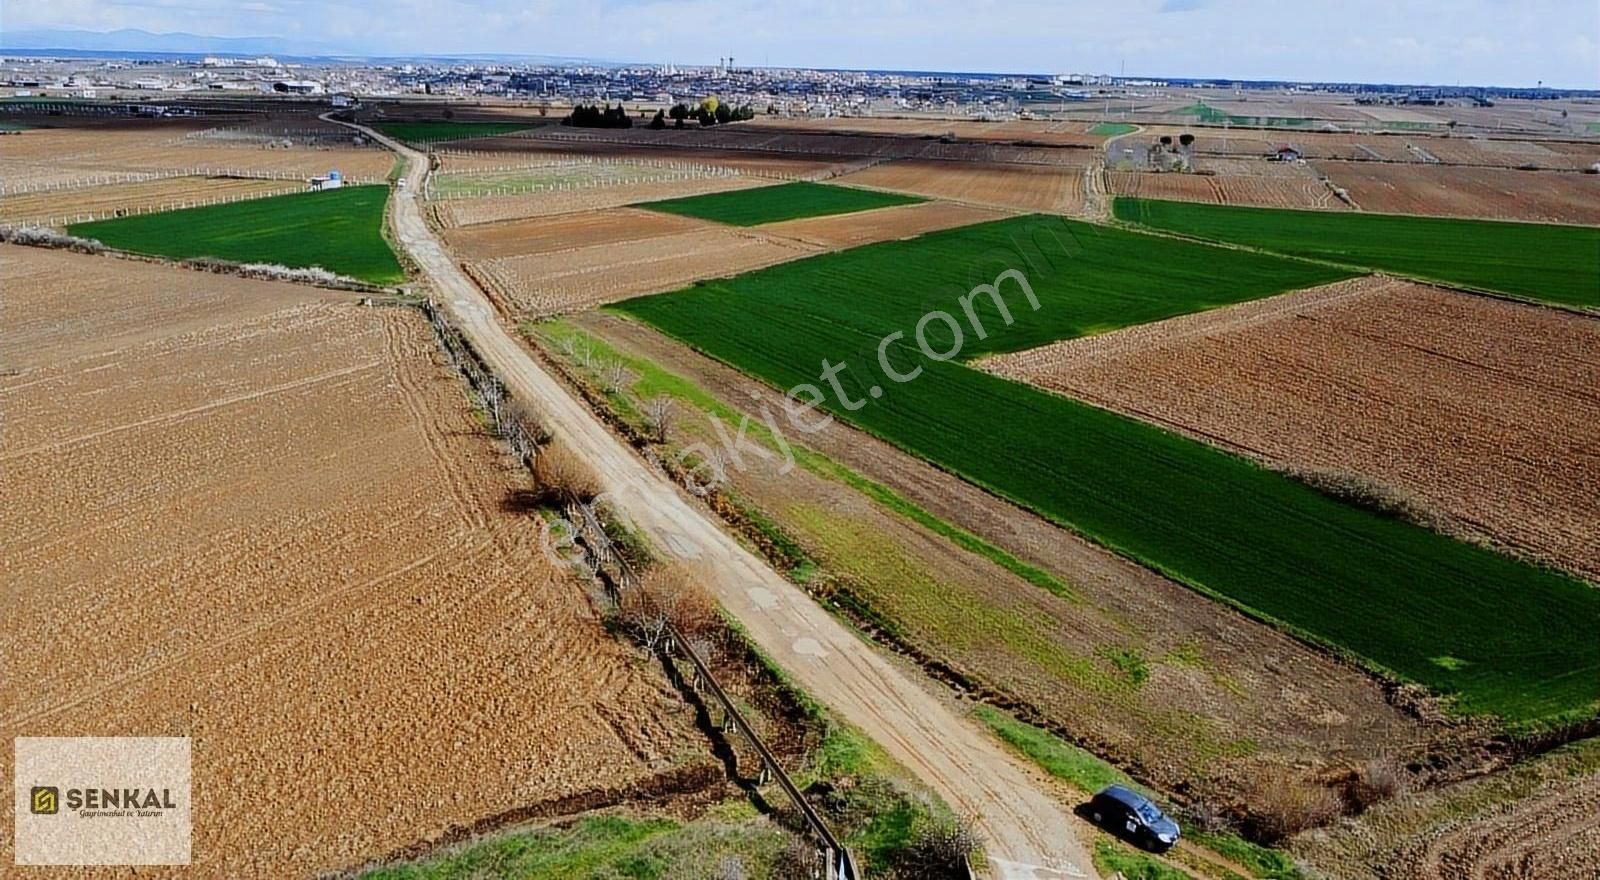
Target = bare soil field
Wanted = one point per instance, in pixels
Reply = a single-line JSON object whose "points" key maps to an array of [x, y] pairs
{"points": [[1018, 187], [487, 241], [1216, 697], [585, 277], [1061, 133], [98, 202], [865, 227], [1482, 409], [267, 521], [1489, 193], [58, 155], [744, 161], [842, 147], [1536, 821], [493, 209], [1301, 190]]}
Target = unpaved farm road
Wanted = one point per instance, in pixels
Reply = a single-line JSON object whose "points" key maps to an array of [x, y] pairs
{"points": [[1031, 836]]}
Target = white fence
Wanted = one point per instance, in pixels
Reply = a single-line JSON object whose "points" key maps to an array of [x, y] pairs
{"points": [[104, 178], [60, 222], [676, 171]]}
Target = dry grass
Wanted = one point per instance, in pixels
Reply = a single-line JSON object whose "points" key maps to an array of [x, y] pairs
{"points": [[1283, 804], [669, 597], [564, 476]]}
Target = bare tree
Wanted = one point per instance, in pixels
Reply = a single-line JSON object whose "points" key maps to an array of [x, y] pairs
{"points": [[668, 598], [658, 411], [524, 429], [615, 376]]}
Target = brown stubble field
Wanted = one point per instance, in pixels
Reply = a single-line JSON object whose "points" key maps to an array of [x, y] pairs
{"points": [[1297, 188], [145, 195], [76, 152], [1455, 191], [882, 224], [1482, 409], [251, 514], [579, 278], [494, 209], [1052, 189]]}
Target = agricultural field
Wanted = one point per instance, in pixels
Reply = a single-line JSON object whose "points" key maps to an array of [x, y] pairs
{"points": [[340, 230], [173, 438], [1479, 411], [1538, 819], [541, 235], [698, 152], [1316, 565], [579, 278], [429, 132], [1069, 133], [1542, 262], [1016, 187], [54, 207], [74, 155], [773, 204], [1156, 676], [577, 174], [882, 224], [1485, 193], [1268, 191], [495, 209]]}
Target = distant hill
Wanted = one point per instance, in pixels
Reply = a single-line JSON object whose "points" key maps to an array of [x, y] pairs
{"points": [[133, 40]]}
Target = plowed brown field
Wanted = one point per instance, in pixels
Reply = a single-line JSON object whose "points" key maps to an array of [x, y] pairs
{"points": [[865, 227], [743, 161], [585, 277], [148, 195], [1539, 820], [1483, 409], [1490, 193], [1277, 191], [56, 155], [267, 521], [1022, 187], [486, 241], [491, 209]]}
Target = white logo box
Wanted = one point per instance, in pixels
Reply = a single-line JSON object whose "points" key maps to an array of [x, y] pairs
{"points": [[117, 800]]}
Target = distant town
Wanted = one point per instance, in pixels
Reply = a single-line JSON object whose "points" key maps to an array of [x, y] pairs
{"points": [[782, 91]]}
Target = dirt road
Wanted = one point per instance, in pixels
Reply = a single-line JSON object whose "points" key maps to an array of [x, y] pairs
{"points": [[1030, 834]]}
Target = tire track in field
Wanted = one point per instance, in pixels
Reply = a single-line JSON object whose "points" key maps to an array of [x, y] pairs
{"points": [[189, 412]]}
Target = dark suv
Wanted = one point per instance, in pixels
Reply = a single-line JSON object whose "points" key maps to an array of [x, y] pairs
{"points": [[1130, 815]]}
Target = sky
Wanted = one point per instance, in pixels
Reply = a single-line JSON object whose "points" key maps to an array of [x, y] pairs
{"points": [[1478, 42]]}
